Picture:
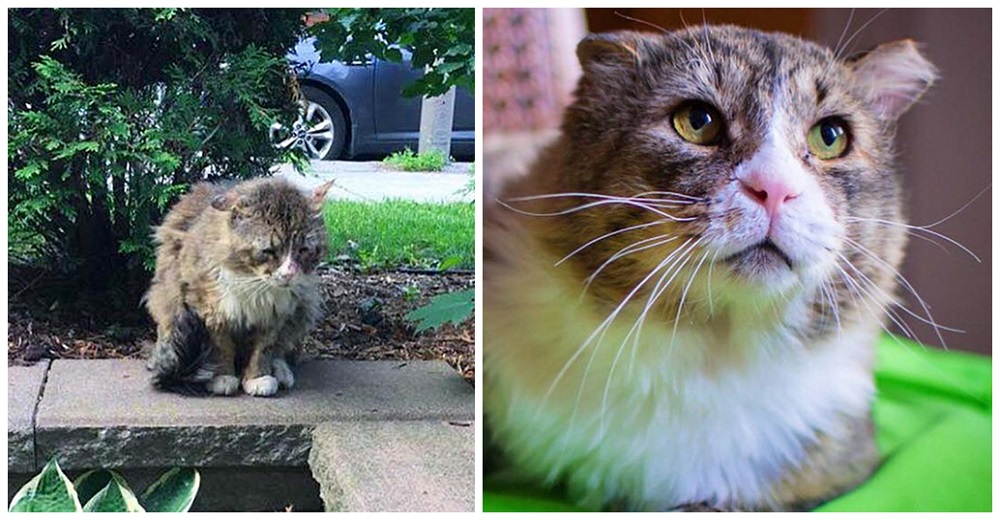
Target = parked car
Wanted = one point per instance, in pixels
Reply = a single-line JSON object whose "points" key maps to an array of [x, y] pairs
{"points": [[353, 109]]}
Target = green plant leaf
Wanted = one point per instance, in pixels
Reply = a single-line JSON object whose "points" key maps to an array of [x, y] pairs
{"points": [[449, 262], [50, 490], [91, 483], [115, 497], [173, 492], [454, 307]]}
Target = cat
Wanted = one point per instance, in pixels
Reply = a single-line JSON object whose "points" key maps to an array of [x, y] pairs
{"points": [[235, 289], [683, 294]]}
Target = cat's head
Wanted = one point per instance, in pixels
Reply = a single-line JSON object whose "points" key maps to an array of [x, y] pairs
{"points": [[759, 155], [274, 232]]}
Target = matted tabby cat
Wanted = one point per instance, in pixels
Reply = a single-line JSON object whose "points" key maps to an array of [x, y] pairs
{"points": [[235, 290]]}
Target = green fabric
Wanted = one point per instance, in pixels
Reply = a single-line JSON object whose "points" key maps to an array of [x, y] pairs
{"points": [[933, 419]]}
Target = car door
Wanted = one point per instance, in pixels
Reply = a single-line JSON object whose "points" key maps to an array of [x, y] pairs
{"points": [[397, 117]]}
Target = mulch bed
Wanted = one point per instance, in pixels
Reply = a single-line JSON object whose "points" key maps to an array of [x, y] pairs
{"points": [[365, 320]]}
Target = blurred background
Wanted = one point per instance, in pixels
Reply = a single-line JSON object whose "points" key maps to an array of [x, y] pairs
{"points": [[944, 142]]}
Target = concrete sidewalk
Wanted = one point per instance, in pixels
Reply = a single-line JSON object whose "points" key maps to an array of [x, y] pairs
{"points": [[373, 181], [375, 435]]}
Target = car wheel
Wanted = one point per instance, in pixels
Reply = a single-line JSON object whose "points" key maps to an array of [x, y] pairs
{"points": [[320, 130]]}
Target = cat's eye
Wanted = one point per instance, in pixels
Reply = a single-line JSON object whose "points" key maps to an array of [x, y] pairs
{"points": [[698, 122], [268, 252], [828, 139]]}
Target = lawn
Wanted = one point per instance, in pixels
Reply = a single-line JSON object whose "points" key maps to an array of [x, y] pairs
{"points": [[399, 233]]}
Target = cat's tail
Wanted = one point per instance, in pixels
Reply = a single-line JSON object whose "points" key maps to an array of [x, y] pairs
{"points": [[180, 362]]}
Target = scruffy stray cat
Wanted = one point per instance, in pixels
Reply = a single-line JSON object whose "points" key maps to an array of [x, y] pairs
{"points": [[683, 295], [234, 290]]}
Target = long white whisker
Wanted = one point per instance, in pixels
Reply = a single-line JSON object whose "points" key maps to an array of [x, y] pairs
{"points": [[959, 210], [636, 328], [862, 28], [630, 249], [589, 205], [918, 228], [599, 334], [608, 235], [607, 321]]}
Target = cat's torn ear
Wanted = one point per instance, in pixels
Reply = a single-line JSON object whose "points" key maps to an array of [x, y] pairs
{"points": [[226, 201], [615, 49], [319, 195], [895, 75]]}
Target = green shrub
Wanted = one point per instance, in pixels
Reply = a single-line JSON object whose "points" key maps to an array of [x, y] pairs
{"points": [[114, 112], [406, 160], [104, 491]]}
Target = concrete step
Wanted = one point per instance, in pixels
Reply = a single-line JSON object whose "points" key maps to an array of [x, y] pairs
{"points": [[395, 465], [24, 388], [104, 414]]}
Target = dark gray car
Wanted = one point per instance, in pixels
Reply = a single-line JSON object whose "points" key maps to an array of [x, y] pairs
{"points": [[358, 109]]}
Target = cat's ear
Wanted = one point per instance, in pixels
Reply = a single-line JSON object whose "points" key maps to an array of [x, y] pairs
{"points": [[895, 75], [609, 50], [226, 201], [319, 195]]}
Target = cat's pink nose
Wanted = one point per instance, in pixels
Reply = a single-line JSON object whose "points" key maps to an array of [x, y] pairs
{"points": [[288, 270], [770, 191]]}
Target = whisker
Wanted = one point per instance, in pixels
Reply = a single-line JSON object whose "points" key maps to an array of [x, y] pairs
{"points": [[628, 250], [917, 228], [609, 235], [637, 327], [626, 202], [599, 334], [862, 28], [959, 210], [836, 49]]}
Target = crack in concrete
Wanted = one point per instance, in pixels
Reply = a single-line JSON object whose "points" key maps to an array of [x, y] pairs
{"points": [[34, 415]]}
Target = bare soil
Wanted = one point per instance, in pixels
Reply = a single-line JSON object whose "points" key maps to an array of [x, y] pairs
{"points": [[365, 320]]}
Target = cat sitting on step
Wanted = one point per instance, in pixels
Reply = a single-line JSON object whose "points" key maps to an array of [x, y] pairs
{"points": [[235, 289]]}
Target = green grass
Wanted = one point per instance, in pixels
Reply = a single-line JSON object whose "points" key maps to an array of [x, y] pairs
{"points": [[406, 160], [400, 233]]}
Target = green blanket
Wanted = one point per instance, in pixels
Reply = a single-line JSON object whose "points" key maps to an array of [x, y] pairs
{"points": [[933, 421]]}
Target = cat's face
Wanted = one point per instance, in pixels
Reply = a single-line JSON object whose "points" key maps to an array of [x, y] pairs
{"points": [[276, 232], [759, 156]]}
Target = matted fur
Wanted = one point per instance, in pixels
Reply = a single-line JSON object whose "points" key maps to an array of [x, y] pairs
{"points": [[237, 264], [638, 346]]}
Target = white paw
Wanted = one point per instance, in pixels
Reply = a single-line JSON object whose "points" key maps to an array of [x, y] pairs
{"points": [[224, 385], [283, 372], [262, 386]]}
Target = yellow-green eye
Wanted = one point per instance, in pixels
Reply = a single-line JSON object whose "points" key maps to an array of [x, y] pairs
{"points": [[828, 139], [698, 122]]}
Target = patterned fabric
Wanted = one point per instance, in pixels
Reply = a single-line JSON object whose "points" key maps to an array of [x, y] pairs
{"points": [[519, 90]]}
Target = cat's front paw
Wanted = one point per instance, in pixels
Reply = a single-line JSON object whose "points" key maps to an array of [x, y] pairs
{"points": [[224, 385], [261, 386], [283, 373]]}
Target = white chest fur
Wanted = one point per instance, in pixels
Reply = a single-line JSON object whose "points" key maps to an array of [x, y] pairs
{"points": [[652, 420], [249, 303]]}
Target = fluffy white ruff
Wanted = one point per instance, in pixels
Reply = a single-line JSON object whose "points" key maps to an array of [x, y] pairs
{"points": [[248, 301], [700, 415]]}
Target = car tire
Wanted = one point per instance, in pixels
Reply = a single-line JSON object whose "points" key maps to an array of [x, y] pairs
{"points": [[326, 109]]}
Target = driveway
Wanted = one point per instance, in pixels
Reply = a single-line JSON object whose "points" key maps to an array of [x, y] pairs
{"points": [[373, 181]]}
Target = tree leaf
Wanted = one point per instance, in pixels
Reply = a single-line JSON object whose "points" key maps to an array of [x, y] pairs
{"points": [[50, 490], [454, 307], [174, 491]]}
